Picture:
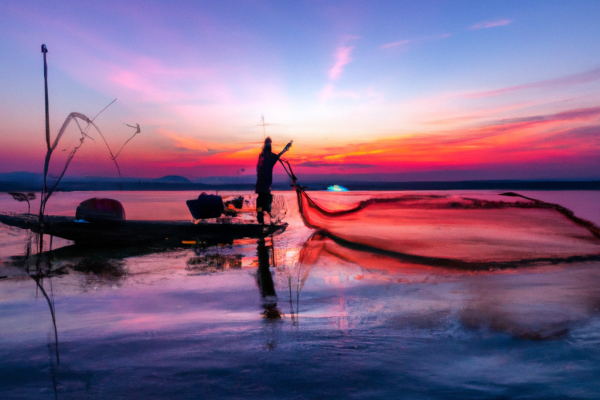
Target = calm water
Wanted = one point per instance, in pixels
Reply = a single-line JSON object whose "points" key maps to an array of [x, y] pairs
{"points": [[249, 320]]}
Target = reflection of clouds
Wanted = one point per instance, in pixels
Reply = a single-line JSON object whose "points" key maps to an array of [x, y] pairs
{"points": [[541, 302], [544, 303]]}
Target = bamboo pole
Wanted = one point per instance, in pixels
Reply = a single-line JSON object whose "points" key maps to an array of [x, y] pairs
{"points": [[48, 144]]}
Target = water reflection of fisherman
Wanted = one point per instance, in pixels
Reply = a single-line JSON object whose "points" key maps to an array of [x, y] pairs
{"points": [[264, 279], [264, 177]]}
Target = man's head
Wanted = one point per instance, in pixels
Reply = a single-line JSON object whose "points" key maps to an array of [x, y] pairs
{"points": [[267, 145]]}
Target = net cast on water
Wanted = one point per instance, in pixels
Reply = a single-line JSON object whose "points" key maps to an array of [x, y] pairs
{"points": [[454, 231]]}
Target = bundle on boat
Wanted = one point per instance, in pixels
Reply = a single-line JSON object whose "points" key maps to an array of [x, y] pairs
{"points": [[208, 206], [100, 210], [456, 231]]}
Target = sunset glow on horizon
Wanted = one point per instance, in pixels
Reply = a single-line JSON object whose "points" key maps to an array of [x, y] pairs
{"points": [[406, 90]]}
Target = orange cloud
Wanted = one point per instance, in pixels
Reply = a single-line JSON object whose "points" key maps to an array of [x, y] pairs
{"points": [[566, 134]]}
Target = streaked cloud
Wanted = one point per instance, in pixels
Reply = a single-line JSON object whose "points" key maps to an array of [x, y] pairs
{"points": [[574, 79], [196, 147], [394, 44], [315, 164], [571, 115], [491, 24], [421, 39], [569, 134]]}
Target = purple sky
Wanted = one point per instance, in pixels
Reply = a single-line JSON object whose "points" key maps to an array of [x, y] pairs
{"points": [[489, 90]]}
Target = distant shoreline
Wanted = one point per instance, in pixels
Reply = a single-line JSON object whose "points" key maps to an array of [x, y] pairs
{"points": [[72, 186]]}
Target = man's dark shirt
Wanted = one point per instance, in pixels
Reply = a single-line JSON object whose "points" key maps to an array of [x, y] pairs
{"points": [[264, 171]]}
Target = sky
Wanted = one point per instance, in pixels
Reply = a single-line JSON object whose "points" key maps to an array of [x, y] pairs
{"points": [[384, 90]]}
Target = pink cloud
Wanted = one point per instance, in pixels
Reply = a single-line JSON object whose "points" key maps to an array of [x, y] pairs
{"points": [[343, 58], [342, 55], [491, 24], [142, 80]]}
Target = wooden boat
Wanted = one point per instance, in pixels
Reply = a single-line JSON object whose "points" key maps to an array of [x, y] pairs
{"points": [[126, 233]]}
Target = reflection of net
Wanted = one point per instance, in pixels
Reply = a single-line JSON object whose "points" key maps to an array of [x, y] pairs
{"points": [[451, 230], [292, 271], [279, 209]]}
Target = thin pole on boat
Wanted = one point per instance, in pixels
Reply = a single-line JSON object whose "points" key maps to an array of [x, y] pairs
{"points": [[48, 145], [44, 51]]}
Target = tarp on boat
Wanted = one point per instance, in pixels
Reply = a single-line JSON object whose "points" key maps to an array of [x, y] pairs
{"points": [[100, 210], [454, 231]]}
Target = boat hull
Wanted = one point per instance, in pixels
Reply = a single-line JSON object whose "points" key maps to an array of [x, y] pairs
{"points": [[126, 233]]}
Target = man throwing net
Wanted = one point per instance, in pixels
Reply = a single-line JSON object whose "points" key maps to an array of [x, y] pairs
{"points": [[264, 178]]}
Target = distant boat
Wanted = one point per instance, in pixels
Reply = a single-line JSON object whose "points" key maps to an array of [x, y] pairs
{"points": [[337, 188]]}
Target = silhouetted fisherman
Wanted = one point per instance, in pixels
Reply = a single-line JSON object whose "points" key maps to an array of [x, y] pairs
{"points": [[264, 177], [264, 280]]}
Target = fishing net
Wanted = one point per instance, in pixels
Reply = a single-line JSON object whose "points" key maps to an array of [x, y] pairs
{"points": [[455, 231], [279, 207]]}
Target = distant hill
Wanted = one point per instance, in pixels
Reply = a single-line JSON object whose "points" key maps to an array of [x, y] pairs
{"points": [[22, 181], [173, 179], [236, 179], [21, 176]]}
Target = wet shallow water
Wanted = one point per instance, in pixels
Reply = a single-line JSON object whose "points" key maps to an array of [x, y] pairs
{"points": [[237, 321]]}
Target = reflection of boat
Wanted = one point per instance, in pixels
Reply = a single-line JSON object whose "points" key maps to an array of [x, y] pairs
{"points": [[127, 233]]}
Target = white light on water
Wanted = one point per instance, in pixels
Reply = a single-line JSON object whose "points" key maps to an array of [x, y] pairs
{"points": [[337, 188]]}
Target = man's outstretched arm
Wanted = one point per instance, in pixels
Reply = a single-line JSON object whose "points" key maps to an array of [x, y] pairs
{"points": [[286, 148]]}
